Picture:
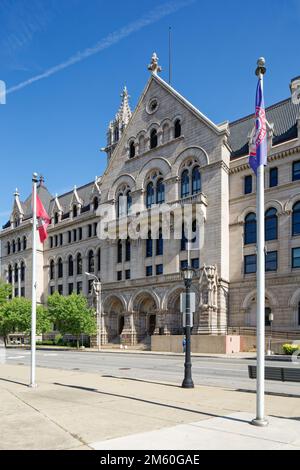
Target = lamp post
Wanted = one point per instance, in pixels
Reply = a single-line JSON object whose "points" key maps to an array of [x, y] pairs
{"points": [[97, 290], [188, 274], [271, 319]]}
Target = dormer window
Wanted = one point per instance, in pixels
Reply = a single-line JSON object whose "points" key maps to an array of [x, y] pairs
{"points": [[153, 139], [75, 211], [56, 218]]}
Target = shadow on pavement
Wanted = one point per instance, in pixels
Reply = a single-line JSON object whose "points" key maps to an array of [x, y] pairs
{"points": [[271, 394], [94, 390], [140, 380], [14, 382]]}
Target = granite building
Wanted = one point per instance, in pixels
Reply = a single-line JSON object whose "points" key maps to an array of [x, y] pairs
{"points": [[167, 151]]}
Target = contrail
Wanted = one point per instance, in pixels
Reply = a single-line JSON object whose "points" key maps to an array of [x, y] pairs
{"points": [[113, 38]]}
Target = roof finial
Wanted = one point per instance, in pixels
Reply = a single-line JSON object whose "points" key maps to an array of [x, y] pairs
{"points": [[41, 181], [154, 67], [16, 193]]}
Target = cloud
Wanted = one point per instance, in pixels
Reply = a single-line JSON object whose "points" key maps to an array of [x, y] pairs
{"points": [[110, 40]]}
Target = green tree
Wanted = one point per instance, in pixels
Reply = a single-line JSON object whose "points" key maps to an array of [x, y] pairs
{"points": [[15, 316], [72, 315], [5, 292]]}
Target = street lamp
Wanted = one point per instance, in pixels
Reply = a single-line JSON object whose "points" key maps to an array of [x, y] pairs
{"points": [[97, 290], [188, 274], [271, 319]]}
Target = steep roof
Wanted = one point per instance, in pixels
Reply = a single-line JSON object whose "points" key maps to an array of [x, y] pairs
{"points": [[284, 117], [84, 194]]}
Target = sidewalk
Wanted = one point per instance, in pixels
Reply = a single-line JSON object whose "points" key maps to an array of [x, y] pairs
{"points": [[72, 410]]}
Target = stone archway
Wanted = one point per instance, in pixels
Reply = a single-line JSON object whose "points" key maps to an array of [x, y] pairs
{"points": [[145, 317], [114, 317]]}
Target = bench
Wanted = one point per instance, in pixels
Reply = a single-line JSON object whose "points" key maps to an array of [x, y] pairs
{"points": [[279, 374]]}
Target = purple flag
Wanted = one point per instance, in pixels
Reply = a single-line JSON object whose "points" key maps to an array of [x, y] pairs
{"points": [[258, 149]]}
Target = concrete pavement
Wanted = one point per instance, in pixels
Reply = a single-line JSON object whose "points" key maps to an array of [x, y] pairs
{"points": [[77, 410]]}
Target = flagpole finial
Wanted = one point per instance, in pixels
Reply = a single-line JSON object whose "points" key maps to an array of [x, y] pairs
{"points": [[35, 177], [261, 66]]}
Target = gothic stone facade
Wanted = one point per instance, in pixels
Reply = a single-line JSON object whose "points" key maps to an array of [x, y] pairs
{"points": [[166, 141]]}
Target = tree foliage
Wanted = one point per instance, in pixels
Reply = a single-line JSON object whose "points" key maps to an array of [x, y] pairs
{"points": [[72, 315], [15, 317], [5, 292]]}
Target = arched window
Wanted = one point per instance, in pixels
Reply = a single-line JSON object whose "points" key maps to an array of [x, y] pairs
{"points": [[150, 195], [60, 268], [177, 128], [79, 263], [8, 248], [160, 244], [99, 259], [22, 271], [250, 229], [185, 183], [16, 273], [153, 139], [127, 250], [119, 251], [196, 180], [183, 240], [24, 243], [149, 246], [71, 265], [131, 150], [129, 202], [51, 270], [296, 219], [75, 211], [14, 246], [91, 262], [160, 191], [95, 203], [19, 244], [10, 277], [56, 218], [271, 224]]}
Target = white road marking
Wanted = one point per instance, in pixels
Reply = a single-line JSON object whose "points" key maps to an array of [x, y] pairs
{"points": [[15, 357], [50, 355]]}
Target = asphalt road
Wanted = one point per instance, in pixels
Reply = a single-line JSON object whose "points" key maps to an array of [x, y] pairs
{"points": [[219, 372]]}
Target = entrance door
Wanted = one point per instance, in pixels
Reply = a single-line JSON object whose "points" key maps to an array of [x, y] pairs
{"points": [[121, 324], [152, 324]]}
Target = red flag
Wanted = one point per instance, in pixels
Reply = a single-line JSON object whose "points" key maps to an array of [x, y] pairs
{"points": [[43, 220]]}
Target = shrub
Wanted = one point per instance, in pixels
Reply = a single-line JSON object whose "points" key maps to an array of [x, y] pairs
{"points": [[290, 349]]}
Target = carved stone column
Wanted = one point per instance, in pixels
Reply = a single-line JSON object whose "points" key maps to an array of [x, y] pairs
{"points": [[208, 285]]}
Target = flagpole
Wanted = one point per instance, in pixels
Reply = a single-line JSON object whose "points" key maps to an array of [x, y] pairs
{"points": [[260, 315], [33, 311]]}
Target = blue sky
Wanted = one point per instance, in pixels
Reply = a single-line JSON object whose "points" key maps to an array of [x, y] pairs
{"points": [[56, 125]]}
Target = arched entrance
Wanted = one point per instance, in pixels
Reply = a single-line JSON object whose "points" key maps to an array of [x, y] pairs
{"points": [[251, 314], [114, 318], [145, 319]]}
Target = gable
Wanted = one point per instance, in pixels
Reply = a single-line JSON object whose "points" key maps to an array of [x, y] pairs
{"points": [[196, 130]]}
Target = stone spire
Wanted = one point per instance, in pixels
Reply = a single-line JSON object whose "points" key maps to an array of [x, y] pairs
{"points": [[154, 67], [124, 113], [117, 126]]}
